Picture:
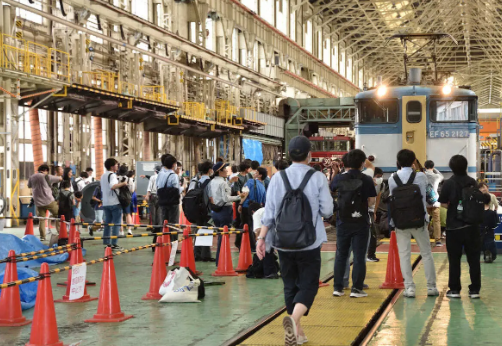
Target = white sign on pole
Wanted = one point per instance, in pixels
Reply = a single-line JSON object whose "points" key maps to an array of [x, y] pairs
{"points": [[174, 248], [204, 240], [78, 274]]}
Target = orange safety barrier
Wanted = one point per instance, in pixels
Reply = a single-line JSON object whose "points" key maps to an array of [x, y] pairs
{"points": [[11, 314], [159, 272], [29, 225], [109, 303], [393, 277], [245, 256], [225, 266], [44, 330]]}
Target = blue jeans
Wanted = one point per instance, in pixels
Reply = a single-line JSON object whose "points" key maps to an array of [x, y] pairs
{"points": [[112, 214], [347, 235], [221, 219]]}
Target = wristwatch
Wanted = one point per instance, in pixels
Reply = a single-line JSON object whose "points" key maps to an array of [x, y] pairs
{"points": [[259, 238]]}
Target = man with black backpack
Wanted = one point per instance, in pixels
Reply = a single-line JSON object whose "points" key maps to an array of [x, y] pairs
{"points": [[356, 192], [297, 200], [196, 206], [112, 208], [408, 210], [465, 204], [168, 191]]}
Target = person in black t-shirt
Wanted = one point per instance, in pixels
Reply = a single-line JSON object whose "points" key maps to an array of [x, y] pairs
{"points": [[355, 229], [486, 230], [460, 235]]}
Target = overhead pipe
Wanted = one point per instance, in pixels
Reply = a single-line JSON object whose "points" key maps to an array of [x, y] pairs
{"points": [[98, 146], [36, 138]]}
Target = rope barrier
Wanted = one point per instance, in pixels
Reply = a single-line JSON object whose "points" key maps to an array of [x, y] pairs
{"points": [[66, 268], [32, 253], [154, 226], [30, 218], [30, 258], [159, 234]]}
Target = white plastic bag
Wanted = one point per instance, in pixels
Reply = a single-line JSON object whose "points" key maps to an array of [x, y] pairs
{"points": [[175, 279], [179, 287], [185, 294]]}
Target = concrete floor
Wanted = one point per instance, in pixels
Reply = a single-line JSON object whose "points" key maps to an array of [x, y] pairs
{"points": [[443, 321], [226, 310]]}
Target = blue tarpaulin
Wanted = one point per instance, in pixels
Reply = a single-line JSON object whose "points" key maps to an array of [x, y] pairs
{"points": [[252, 150], [27, 291], [27, 244]]}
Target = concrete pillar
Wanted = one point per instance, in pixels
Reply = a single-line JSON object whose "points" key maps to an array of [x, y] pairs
{"points": [[146, 146]]}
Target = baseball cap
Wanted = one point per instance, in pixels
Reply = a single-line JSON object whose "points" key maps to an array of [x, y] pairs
{"points": [[299, 146], [219, 166]]}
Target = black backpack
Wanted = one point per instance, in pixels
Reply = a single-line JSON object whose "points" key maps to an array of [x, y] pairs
{"points": [[168, 196], [294, 228], [194, 205], [351, 206], [124, 195], [406, 204], [74, 185], [472, 202], [54, 188], [65, 204]]}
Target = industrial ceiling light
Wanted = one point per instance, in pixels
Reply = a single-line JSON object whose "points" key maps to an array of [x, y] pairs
{"points": [[381, 91], [446, 89]]}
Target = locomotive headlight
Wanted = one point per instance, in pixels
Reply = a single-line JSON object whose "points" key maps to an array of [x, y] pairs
{"points": [[381, 90], [447, 89]]}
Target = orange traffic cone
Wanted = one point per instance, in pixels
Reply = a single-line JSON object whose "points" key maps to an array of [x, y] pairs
{"points": [[10, 300], [29, 225], [225, 266], [187, 258], [77, 258], [63, 234], [245, 256], [394, 277], [109, 302], [71, 240], [159, 272], [44, 330]]}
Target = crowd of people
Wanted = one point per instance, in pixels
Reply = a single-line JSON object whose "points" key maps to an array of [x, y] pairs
{"points": [[288, 212]]}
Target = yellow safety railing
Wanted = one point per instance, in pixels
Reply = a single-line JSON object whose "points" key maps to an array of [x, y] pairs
{"points": [[196, 110], [60, 63], [153, 93], [129, 89], [38, 61], [14, 53], [101, 79], [34, 58]]}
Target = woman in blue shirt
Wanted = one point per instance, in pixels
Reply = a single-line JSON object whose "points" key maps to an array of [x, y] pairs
{"points": [[257, 194]]}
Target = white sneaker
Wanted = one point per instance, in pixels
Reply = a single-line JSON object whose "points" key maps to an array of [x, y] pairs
{"points": [[129, 232], [290, 336], [121, 233], [409, 292], [338, 293], [432, 292]]}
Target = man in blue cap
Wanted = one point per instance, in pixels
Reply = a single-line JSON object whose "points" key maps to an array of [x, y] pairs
{"points": [[221, 198]]}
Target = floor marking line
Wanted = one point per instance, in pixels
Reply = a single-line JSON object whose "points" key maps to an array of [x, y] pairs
{"points": [[435, 311]]}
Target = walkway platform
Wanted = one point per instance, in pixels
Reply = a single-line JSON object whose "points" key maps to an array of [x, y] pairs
{"points": [[334, 320]]}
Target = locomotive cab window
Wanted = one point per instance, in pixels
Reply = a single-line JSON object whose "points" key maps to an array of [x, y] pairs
{"points": [[378, 111], [414, 112], [456, 111]]}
